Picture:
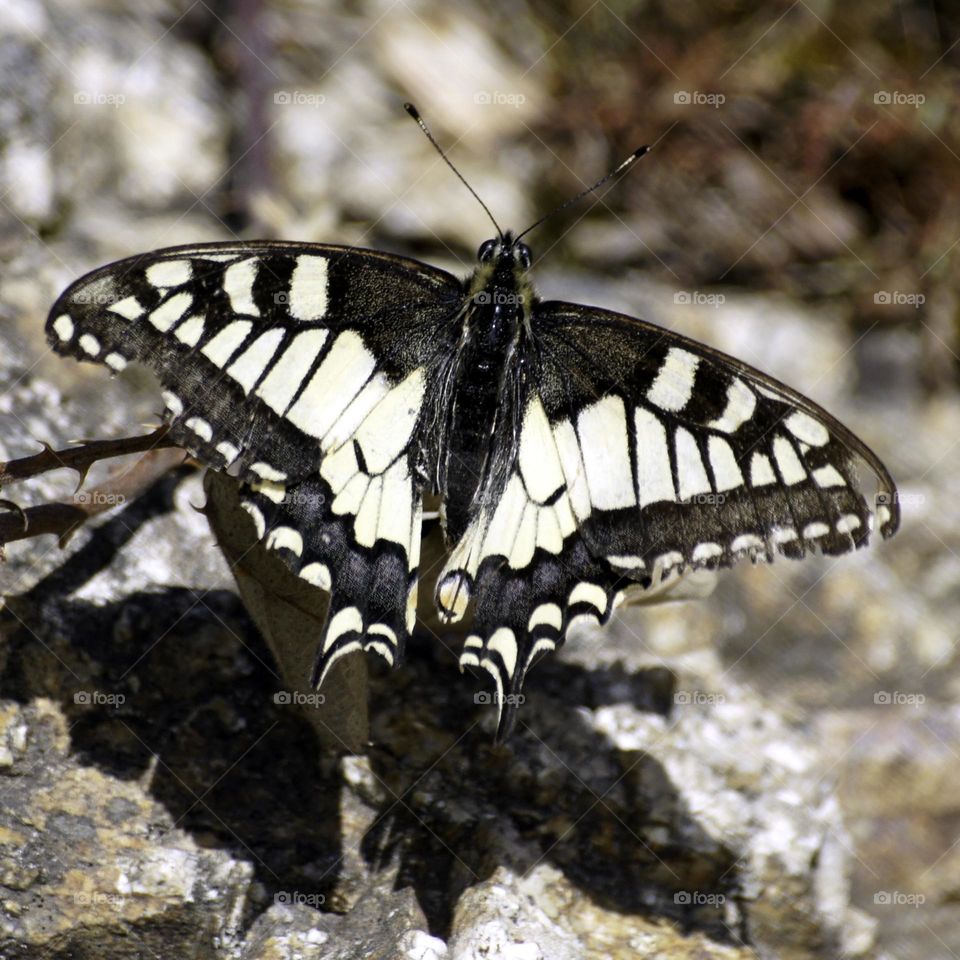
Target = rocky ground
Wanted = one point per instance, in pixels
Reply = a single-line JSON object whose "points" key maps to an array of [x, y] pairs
{"points": [[770, 771]]}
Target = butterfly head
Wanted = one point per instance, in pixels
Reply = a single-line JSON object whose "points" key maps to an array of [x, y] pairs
{"points": [[505, 251]]}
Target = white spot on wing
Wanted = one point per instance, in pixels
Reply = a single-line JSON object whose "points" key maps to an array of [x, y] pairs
{"points": [[547, 613], [249, 366], [589, 593], [573, 470], [238, 280], [848, 523], [726, 473], [280, 385], [169, 273], [761, 471], [308, 288], [285, 538], [200, 427], [654, 477], [602, 431], [129, 308], [674, 383], [828, 476], [170, 311], [89, 344], [228, 451], [385, 433], [504, 643], [190, 331], [257, 516], [267, 472], [226, 343], [63, 327], [343, 621], [173, 403], [691, 474], [791, 469], [746, 541], [805, 428], [706, 551], [318, 574], [337, 380], [741, 403], [539, 462]]}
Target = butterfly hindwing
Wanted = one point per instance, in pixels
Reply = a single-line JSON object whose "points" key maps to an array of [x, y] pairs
{"points": [[366, 556]]}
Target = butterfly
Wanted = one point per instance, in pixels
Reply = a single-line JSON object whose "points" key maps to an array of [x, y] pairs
{"points": [[574, 450]]}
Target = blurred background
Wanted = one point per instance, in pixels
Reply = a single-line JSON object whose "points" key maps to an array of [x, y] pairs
{"points": [[800, 210]]}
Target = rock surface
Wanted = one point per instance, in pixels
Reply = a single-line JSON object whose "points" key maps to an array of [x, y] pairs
{"points": [[769, 772]]}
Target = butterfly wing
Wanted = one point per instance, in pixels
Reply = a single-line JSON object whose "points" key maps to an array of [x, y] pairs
{"points": [[641, 454], [305, 370]]}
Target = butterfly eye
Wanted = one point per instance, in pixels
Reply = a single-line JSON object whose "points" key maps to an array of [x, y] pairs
{"points": [[523, 252], [487, 249]]}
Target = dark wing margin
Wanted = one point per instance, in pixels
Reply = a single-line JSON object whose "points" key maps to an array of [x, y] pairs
{"points": [[305, 370]]}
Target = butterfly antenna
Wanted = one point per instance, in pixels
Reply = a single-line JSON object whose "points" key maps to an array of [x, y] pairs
{"points": [[415, 113], [616, 171]]}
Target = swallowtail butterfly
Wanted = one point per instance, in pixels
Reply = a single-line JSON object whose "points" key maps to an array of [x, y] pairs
{"points": [[574, 450]]}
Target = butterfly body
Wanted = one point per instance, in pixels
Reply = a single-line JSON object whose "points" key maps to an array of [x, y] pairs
{"points": [[574, 450]]}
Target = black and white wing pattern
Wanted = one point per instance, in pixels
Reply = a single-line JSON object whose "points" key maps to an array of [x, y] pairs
{"points": [[574, 450], [304, 370], [641, 453]]}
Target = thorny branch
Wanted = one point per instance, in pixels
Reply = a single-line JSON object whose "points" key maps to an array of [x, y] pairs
{"points": [[64, 517]]}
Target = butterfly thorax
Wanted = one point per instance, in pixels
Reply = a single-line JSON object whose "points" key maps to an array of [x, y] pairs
{"points": [[484, 385]]}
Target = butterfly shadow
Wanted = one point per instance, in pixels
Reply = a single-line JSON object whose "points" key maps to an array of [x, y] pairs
{"points": [[611, 820], [176, 688]]}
